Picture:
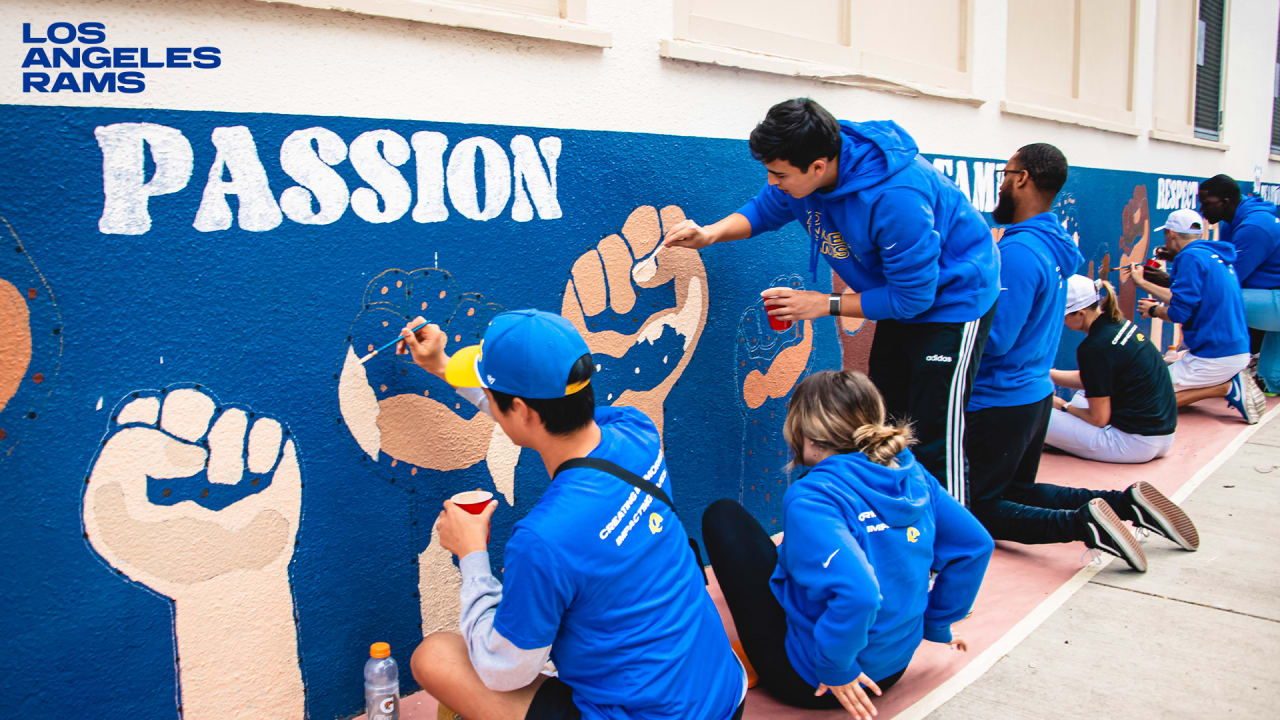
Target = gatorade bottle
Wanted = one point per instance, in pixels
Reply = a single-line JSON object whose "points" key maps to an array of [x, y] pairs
{"points": [[381, 684]]}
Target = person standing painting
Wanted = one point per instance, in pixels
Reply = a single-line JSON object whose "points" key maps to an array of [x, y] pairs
{"points": [[917, 256]]}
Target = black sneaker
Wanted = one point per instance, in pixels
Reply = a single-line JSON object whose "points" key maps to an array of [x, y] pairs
{"points": [[1158, 514], [1105, 531]]}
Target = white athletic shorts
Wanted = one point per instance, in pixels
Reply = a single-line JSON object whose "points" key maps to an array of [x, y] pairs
{"points": [[1190, 372], [1104, 444]]}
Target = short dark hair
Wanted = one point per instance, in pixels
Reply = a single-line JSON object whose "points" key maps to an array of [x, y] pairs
{"points": [[1045, 165], [562, 415], [798, 131], [1221, 186]]}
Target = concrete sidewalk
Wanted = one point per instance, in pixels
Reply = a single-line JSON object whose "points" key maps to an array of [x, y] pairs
{"points": [[1198, 635]]}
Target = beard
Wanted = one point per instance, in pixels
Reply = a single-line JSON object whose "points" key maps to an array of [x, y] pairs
{"points": [[1005, 208]]}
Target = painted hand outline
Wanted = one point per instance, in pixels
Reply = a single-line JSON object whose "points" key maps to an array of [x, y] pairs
{"points": [[30, 339], [767, 366], [225, 567], [640, 310], [15, 340], [396, 412], [1136, 237]]}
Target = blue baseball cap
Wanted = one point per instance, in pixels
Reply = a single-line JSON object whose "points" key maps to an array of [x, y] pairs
{"points": [[526, 353]]}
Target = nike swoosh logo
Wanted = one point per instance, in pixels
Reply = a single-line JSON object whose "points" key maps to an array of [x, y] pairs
{"points": [[890, 247], [828, 562]]}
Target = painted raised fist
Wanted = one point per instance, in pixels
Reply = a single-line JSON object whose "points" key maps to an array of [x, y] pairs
{"points": [[641, 309], [396, 412], [200, 502]]}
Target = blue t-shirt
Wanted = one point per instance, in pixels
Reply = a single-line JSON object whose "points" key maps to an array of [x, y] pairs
{"points": [[602, 573]]}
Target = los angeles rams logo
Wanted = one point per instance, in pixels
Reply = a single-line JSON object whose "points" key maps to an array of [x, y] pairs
{"points": [[655, 523], [912, 534]]}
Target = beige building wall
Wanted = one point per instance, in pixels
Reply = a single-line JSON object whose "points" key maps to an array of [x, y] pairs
{"points": [[1107, 80]]}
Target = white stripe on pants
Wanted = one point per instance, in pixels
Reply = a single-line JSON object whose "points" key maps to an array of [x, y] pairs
{"points": [[955, 482], [1104, 444]]}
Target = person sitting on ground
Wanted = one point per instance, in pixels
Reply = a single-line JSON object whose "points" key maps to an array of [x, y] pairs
{"points": [[1205, 297], [843, 603], [1008, 414], [1250, 224], [620, 608], [1124, 409]]}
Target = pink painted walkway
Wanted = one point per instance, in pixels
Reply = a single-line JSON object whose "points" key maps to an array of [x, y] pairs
{"points": [[1020, 579]]}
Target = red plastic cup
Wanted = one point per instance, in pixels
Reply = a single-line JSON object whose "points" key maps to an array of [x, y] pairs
{"points": [[474, 502], [775, 323]]}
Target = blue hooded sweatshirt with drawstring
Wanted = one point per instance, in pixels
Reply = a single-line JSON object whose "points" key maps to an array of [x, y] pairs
{"points": [[894, 229], [1207, 300], [853, 568], [1255, 232], [1036, 258]]}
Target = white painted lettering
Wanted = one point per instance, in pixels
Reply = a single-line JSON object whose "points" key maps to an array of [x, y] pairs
{"points": [[125, 193], [530, 177], [238, 156], [375, 155], [321, 195], [428, 151], [461, 178]]}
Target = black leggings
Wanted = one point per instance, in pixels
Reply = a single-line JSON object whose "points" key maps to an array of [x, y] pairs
{"points": [[744, 557]]}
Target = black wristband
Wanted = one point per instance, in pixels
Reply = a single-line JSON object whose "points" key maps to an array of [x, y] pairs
{"points": [[833, 307]]}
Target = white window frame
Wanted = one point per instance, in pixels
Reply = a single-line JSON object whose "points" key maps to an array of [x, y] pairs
{"points": [[1183, 131], [570, 27], [755, 49], [1073, 110]]}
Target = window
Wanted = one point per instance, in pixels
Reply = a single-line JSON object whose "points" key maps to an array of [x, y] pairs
{"points": [[1176, 37], [840, 37], [1275, 104], [563, 20], [1209, 31], [1072, 60]]}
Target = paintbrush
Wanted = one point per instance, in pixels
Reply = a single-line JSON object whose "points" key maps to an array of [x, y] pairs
{"points": [[1153, 275], [369, 357]]}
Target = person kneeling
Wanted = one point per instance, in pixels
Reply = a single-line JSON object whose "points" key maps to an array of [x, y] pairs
{"points": [[843, 603], [1124, 410], [1206, 298], [621, 610]]}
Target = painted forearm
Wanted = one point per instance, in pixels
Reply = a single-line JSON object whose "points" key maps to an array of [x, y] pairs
{"points": [[235, 623]]}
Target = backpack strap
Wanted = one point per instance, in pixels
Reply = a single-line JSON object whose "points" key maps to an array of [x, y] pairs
{"points": [[621, 473], [631, 478]]}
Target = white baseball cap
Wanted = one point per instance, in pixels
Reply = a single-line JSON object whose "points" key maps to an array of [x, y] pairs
{"points": [[1183, 221], [1081, 293]]}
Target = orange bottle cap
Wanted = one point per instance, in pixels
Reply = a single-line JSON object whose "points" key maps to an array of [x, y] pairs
{"points": [[379, 650]]}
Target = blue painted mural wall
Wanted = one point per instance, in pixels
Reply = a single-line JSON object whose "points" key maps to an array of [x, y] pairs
{"points": [[263, 320]]}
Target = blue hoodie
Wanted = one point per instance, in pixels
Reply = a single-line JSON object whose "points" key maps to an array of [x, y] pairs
{"points": [[1036, 258], [853, 567], [894, 228], [1207, 300], [1255, 233]]}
